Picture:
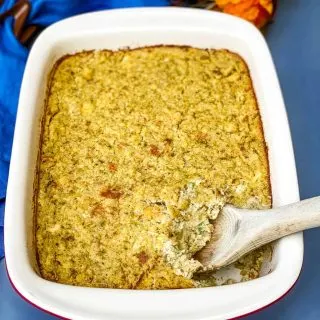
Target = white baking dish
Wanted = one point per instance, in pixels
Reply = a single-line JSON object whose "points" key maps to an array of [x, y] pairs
{"points": [[116, 29]]}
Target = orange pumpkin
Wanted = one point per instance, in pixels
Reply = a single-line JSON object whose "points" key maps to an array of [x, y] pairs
{"points": [[259, 12]]}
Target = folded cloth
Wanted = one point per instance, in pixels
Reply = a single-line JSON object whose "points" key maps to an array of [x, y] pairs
{"points": [[13, 57]]}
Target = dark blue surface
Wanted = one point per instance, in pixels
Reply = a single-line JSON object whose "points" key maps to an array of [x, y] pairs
{"points": [[294, 39]]}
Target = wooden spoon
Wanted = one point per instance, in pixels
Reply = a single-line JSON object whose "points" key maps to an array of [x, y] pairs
{"points": [[239, 231]]}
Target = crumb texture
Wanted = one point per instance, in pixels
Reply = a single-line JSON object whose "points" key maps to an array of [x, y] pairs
{"points": [[140, 150]]}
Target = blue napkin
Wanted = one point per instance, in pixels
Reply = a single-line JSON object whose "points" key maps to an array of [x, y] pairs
{"points": [[13, 57]]}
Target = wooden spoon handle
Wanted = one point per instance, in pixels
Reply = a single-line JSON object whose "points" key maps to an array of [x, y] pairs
{"points": [[263, 226]]}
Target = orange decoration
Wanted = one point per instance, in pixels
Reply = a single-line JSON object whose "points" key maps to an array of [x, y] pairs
{"points": [[259, 12]]}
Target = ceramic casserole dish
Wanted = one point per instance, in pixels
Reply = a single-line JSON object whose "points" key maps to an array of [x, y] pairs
{"points": [[116, 29]]}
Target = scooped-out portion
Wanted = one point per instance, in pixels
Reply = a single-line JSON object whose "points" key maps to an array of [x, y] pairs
{"points": [[140, 149]]}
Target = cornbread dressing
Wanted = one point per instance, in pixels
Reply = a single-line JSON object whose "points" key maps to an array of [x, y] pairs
{"points": [[140, 149]]}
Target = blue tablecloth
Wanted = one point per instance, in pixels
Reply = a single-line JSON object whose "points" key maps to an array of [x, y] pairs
{"points": [[295, 44]]}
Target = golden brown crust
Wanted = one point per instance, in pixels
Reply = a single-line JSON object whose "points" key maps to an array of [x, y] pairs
{"points": [[261, 128], [36, 182], [260, 122], [80, 225]]}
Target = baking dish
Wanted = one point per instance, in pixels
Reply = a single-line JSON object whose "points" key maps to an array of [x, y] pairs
{"points": [[116, 29]]}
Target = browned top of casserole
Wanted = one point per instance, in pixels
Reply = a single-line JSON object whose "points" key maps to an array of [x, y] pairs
{"points": [[140, 149]]}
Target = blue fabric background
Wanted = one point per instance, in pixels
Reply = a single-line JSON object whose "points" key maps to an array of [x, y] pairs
{"points": [[13, 57]]}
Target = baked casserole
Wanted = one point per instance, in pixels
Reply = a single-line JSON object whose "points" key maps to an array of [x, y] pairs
{"points": [[140, 149]]}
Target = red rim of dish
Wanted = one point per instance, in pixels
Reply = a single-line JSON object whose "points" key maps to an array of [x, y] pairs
{"points": [[63, 318]]}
